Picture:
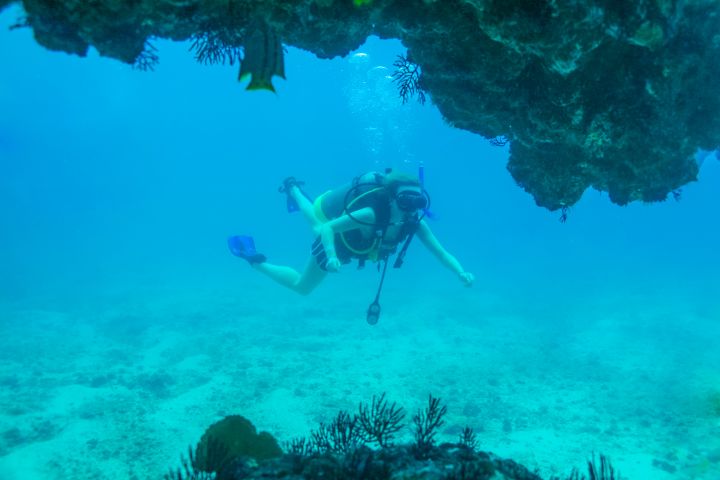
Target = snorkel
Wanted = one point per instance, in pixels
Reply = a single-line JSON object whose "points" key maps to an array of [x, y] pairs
{"points": [[421, 177]]}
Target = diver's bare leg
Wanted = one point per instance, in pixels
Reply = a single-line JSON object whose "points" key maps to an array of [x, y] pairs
{"points": [[301, 283], [306, 206]]}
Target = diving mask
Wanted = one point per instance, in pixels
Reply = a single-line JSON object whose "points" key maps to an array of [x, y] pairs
{"points": [[412, 200]]}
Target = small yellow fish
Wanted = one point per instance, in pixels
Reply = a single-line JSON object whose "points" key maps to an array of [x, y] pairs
{"points": [[262, 59]]}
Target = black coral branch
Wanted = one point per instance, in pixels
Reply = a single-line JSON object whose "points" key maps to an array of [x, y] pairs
{"points": [[210, 49], [342, 435], [426, 424], [148, 59], [380, 421], [407, 78]]}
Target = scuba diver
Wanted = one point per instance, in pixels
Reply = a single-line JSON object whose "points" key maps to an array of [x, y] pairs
{"points": [[366, 220]]}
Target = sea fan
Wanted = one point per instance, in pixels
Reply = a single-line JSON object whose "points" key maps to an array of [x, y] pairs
{"points": [[147, 59], [407, 78], [21, 22], [380, 421], [342, 435], [188, 470], [210, 49], [468, 438], [604, 471], [427, 423], [499, 141]]}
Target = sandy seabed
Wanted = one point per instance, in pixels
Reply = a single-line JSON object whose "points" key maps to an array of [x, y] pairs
{"points": [[118, 385]]}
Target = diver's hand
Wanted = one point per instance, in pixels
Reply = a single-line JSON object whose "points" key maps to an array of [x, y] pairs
{"points": [[467, 278], [333, 264]]}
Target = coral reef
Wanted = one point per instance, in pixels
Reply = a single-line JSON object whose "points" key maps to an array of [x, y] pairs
{"points": [[616, 96], [338, 450]]}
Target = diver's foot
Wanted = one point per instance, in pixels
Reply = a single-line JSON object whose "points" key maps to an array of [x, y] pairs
{"points": [[286, 188], [288, 183], [243, 246]]}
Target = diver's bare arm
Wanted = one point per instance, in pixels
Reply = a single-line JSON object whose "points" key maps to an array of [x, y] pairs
{"points": [[344, 223], [431, 243]]}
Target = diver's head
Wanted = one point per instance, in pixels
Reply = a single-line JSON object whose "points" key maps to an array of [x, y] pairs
{"points": [[406, 192], [411, 199]]}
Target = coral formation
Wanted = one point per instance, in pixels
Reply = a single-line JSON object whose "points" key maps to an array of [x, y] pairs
{"points": [[380, 421], [228, 439], [226, 449], [147, 59], [610, 95], [604, 471], [407, 78], [426, 424], [211, 49], [342, 435], [338, 450], [468, 438]]}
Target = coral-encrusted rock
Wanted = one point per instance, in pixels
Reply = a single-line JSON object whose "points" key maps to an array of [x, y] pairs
{"points": [[612, 95], [447, 462]]}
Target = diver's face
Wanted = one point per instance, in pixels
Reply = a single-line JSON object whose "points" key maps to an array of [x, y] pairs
{"points": [[410, 199]]}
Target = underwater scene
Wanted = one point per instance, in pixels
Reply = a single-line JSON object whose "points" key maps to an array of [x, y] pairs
{"points": [[359, 239]]}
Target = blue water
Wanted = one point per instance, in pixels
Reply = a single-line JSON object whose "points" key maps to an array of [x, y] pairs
{"points": [[118, 183]]}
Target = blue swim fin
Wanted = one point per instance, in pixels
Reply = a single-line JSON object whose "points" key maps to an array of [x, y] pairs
{"points": [[243, 246], [292, 205], [288, 183]]}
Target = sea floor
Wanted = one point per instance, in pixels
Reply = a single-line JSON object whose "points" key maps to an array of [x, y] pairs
{"points": [[118, 384]]}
